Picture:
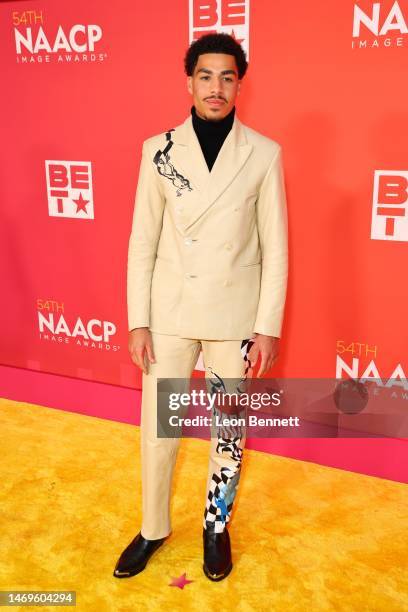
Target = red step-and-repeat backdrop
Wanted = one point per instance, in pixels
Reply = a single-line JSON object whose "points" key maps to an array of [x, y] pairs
{"points": [[84, 83]]}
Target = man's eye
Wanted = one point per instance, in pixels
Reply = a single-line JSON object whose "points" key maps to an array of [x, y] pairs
{"points": [[204, 78]]}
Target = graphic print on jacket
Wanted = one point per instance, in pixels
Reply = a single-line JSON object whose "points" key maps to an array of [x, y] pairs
{"points": [[166, 168], [224, 483]]}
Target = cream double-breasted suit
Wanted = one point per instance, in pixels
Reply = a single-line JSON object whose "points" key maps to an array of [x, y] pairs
{"points": [[208, 253], [207, 268]]}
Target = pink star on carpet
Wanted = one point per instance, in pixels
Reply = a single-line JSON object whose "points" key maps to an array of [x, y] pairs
{"points": [[180, 582]]}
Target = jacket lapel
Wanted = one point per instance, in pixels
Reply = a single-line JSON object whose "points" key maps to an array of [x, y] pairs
{"points": [[188, 159]]}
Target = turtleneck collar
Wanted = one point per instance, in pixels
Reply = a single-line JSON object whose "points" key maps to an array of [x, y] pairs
{"points": [[211, 134], [207, 126]]}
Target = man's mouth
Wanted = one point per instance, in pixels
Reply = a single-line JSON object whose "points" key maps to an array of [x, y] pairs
{"points": [[215, 101]]}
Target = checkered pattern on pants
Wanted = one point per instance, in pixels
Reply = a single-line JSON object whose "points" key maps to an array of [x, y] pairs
{"points": [[223, 485]]}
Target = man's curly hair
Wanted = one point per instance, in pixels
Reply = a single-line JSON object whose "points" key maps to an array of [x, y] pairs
{"points": [[215, 43]]}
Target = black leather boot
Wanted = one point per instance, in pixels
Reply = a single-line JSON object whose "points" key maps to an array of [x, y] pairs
{"points": [[217, 554], [135, 556]]}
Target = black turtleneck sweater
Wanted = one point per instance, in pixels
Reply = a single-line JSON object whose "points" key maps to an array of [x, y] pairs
{"points": [[211, 134]]}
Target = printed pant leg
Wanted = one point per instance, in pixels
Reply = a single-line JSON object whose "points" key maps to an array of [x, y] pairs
{"points": [[175, 358], [223, 360]]}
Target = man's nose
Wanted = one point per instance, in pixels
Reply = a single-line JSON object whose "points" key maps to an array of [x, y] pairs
{"points": [[216, 87]]}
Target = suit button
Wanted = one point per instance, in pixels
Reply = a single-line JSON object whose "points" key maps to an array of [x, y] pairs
{"points": [[188, 275], [179, 210], [227, 283], [228, 246], [188, 241]]}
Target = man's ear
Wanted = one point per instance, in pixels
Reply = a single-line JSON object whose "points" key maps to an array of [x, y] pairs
{"points": [[189, 84]]}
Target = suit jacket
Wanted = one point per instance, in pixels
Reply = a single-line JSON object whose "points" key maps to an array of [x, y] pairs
{"points": [[208, 251]]}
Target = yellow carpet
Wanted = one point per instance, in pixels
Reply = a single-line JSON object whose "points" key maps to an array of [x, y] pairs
{"points": [[304, 537]]}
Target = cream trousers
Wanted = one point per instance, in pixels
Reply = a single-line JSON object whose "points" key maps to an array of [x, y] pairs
{"points": [[176, 358]]}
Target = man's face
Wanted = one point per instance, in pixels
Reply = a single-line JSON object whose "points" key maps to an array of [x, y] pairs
{"points": [[214, 85]]}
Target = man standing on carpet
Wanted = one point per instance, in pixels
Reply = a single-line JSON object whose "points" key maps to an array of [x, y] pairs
{"points": [[207, 269]]}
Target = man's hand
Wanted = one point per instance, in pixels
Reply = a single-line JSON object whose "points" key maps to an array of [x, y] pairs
{"points": [[140, 346], [268, 348]]}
